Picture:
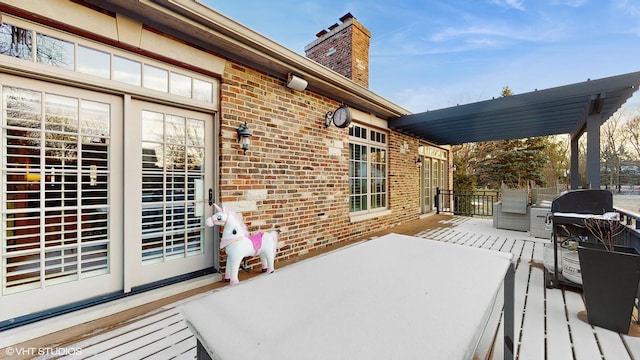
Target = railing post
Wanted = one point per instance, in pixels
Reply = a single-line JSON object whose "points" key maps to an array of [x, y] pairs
{"points": [[436, 201]]}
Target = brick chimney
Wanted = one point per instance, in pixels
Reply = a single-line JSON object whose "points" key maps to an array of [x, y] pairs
{"points": [[344, 48]]}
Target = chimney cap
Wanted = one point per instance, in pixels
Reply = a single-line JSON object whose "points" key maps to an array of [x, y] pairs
{"points": [[322, 32], [334, 26], [346, 17]]}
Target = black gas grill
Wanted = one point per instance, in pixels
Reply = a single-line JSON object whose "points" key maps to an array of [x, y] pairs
{"points": [[568, 212], [596, 202]]}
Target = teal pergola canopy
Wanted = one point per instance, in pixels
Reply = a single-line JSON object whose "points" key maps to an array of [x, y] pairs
{"points": [[571, 109], [554, 111]]}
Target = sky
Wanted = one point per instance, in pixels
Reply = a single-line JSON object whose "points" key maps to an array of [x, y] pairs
{"points": [[432, 54]]}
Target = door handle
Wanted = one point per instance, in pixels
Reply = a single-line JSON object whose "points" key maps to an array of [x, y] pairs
{"points": [[210, 196]]}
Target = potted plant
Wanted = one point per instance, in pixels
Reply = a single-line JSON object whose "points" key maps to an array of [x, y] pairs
{"points": [[610, 276]]}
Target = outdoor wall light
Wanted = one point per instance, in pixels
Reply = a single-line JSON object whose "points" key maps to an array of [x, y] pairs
{"points": [[244, 136], [296, 83], [418, 160]]}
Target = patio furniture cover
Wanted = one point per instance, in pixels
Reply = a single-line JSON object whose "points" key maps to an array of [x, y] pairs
{"points": [[394, 297]]}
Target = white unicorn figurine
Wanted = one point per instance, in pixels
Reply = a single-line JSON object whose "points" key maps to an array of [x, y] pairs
{"points": [[239, 244]]}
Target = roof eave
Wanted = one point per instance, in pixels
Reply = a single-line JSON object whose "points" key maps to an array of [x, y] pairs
{"points": [[195, 22]]}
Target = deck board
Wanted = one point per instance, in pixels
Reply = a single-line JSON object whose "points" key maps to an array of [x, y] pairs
{"points": [[161, 341], [533, 337], [185, 349], [585, 345], [521, 279], [633, 345], [552, 330], [113, 344], [127, 343], [558, 339], [611, 344], [107, 334], [484, 242]]}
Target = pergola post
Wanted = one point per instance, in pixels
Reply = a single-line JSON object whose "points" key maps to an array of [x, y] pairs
{"points": [[575, 164], [593, 150]]}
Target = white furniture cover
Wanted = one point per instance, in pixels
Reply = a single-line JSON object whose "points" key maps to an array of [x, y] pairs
{"points": [[394, 297]]}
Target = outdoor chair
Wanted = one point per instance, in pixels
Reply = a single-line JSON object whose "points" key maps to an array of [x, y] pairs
{"points": [[513, 212]]}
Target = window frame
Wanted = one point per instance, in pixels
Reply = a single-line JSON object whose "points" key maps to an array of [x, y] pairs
{"points": [[369, 138]]}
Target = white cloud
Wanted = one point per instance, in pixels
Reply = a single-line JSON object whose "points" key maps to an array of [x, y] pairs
{"points": [[451, 32], [514, 4], [501, 33], [570, 3], [631, 11], [630, 7]]}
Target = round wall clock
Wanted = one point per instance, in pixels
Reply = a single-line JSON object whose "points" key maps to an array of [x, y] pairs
{"points": [[342, 117]]}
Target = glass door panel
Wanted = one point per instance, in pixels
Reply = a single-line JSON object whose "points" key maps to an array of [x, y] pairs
{"points": [[60, 238], [425, 186], [172, 175], [175, 166]]}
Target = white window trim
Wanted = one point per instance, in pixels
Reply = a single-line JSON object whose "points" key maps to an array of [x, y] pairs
{"points": [[377, 212]]}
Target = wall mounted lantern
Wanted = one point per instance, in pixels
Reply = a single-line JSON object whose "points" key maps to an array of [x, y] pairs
{"points": [[244, 136], [419, 160]]}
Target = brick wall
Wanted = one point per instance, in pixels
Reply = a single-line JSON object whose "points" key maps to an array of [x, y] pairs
{"points": [[294, 176], [360, 37], [344, 49]]}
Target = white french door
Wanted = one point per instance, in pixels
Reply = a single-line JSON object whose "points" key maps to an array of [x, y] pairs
{"points": [[61, 186], [170, 176], [100, 194], [425, 186], [432, 177]]}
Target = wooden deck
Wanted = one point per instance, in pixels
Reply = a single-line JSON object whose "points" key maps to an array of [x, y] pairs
{"points": [[547, 324], [546, 321]]}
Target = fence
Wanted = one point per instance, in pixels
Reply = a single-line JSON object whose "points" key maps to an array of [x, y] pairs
{"points": [[467, 203]]}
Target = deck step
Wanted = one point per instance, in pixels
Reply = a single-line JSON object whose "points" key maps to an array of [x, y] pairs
{"points": [[162, 335]]}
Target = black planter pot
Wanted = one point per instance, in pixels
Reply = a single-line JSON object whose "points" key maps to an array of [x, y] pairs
{"points": [[610, 283]]}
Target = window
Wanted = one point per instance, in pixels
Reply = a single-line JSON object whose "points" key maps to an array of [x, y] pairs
{"points": [[202, 90], [94, 62], [126, 70], [180, 85], [54, 52], [17, 42], [367, 169], [156, 78]]}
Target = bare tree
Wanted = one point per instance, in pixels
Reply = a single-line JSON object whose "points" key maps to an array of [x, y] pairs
{"points": [[613, 152], [631, 130]]}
